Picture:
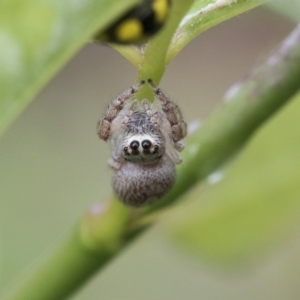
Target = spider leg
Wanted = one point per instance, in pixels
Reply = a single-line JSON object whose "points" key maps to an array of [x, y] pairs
{"points": [[133, 107], [113, 110], [173, 114], [116, 140], [154, 116], [114, 164]]}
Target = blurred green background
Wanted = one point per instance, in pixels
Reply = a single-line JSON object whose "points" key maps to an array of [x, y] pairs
{"points": [[53, 167]]}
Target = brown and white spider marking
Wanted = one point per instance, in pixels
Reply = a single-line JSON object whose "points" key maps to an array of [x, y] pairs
{"points": [[145, 141]]}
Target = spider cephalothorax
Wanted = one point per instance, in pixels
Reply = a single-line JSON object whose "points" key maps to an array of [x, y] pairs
{"points": [[145, 141]]}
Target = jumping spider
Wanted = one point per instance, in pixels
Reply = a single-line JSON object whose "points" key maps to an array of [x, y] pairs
{"points": [[145, 141]]}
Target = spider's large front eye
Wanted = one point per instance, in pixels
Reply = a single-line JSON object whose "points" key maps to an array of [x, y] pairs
{"points": [[134, 145], [146, 144]]}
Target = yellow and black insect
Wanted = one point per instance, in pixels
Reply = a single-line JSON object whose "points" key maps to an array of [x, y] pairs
{"points": [[137, 25]]}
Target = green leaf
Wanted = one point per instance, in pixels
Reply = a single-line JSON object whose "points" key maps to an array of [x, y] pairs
{"points": [[37, 38], [289, 9], [256, 201], [203, 15]]}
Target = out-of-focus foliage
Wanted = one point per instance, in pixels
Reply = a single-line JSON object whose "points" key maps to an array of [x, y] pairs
{"points": [[252, 202], [37, 38], [289, 8]]}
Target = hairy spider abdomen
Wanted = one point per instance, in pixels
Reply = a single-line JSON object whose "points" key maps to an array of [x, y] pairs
{"points": [[142, 184]]}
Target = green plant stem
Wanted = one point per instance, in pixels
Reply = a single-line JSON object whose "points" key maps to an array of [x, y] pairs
{"points": [[105, 231], [153, 61], [97, 238], [67, 269], [244, 108], [152, 64]]}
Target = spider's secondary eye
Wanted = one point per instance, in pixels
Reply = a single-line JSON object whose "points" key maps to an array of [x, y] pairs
{"points": [[134, 145], [125, 149], [156, 147], [146, 144]]}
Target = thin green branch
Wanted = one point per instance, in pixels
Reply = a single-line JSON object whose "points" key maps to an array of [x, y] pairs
{"points": [[104, 231], [67, 270], [152, 64], [153, 61], [97, 238]]}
